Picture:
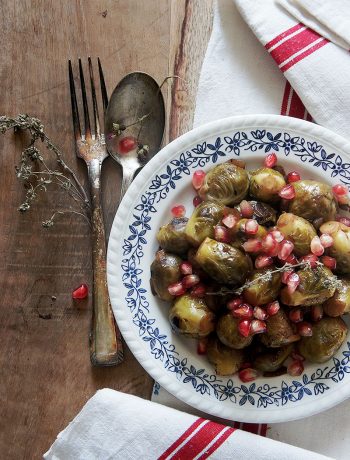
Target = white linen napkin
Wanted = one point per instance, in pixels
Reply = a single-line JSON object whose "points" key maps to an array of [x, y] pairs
{"points": [[116, 426]]}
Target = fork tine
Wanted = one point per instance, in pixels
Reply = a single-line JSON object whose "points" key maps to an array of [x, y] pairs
{"points": [[75, 112], [103, 86], [85, 104], [94, 100]]}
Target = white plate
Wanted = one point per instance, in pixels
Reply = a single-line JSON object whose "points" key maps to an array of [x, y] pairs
{"points": [[143, 320]]}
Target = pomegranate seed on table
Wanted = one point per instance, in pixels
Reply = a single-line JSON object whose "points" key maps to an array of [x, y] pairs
{"points": [[248, 375], [329, 262], [343, 220], [190, 281], [251, 227], [295, 368], [285, 249], [244, 311], [304, 329], [316, 312], [258, 327], [176, 289], [199, 290], [285, 275], [296, 315], [312, 259], [277, 235], [127, 144], [270, 160], [221, 234], [186, 268], [326, 240], [202, 346], [263, 261], [340, 189], [293, 176], [272, 308], [316, 246], [252, 245], [296, 356], [197, 179], [244, 327], [287, 192], [81, 292], [293, 282], [246, 209], [234, 303], [178, 210], [197, 200], [260, 313]]}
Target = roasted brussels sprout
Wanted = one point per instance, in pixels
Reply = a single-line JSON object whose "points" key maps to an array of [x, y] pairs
{"points": [[265, 184], [341, 245], [328, 334], [225, 360], [263, 213], [172, 237], [316, 286], [298, 230], [190, 316], [313, 200], [228, 333], [271, 360], [222, 262], [339, 304], [226, 183], [265, 286], [165, 270], [201, 224], [279, 331]]}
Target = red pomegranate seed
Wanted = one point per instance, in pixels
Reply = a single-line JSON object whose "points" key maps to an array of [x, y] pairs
{"points": [[316, 246], [248, 375], [263, 261], [295, 368], [251, 227], [311, 259], [270, 160], [252, 245], [202, 347], [230, 220], [329, 262], [293, 176], [221, 234], [296, 315], [277, 235], [326, 240], [199, 290], [81, 292], [244, 311], [197, 179], [127, 144], [285, 249], [343, 220], [292, 260], [316, 312], [293, 282], [244, 327], [235, 303], [260, 313], [258, 327], [285, 275], [245, 365], [178, 210], [297, 356], [197, 200], [246, 209], [272, 308], [186, 268], [270, 245], [189, 281], [287, 192], [176, 289], [304, 329], [340, 189]]}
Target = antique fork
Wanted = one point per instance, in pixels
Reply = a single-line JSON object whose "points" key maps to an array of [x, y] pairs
{"points": [[105, 339]]}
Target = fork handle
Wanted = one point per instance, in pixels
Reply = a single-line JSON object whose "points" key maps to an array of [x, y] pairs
{"points": [[106, 347]]}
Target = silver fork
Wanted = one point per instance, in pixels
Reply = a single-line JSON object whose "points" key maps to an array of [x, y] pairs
{"points": [[105, 339]]}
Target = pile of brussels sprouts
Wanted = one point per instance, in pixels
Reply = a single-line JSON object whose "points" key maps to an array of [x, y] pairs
{"points": [[259, 272]]}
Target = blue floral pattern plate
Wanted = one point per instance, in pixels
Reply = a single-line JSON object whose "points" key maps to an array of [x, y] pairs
{"points": [[166, 180]]}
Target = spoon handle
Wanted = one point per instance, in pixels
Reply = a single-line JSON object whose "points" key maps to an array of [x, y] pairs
{"points": [[128, 175]]}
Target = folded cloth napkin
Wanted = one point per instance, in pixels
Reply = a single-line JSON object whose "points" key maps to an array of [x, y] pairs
{"points": [[114, 425]]}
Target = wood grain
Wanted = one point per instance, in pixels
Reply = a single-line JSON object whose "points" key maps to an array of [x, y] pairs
{"points": [[46, 375]]}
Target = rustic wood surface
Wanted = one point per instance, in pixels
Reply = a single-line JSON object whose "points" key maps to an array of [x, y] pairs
{"points": [[46, 375]]}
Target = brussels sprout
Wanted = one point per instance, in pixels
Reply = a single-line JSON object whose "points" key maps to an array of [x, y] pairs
{"points": [[341, 246], [226, 183], [222, 262], [190, 316], [201, 224], [239, 236], [271, 360], [298, 230], [265, 184], [279, 331], [226, 361], [328, 334], [313, 200], [265, 286], [263, 213], [172, 237], [228, 333], [165, 270], [339, 304], [316, 286]]}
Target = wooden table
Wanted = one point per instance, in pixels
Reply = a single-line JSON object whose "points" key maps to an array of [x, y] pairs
{"points": [[46, 375]]}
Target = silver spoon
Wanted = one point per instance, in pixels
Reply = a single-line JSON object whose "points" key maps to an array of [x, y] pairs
{"points": [[134, 123]]}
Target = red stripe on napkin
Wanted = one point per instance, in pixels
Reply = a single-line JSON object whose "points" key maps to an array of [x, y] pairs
{"points": [[216, 443], [292, 105], [283, 35], [303, 55]]}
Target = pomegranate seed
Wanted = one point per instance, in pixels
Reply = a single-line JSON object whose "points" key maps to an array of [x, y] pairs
{"points": [[277, 235], [244, 327], [127, 144], [81, 292], [316, 246], [292, 260], [252, 245], [178, 210], [221, 234], [329, 262], [248, 375], [287, 192], [235, 303], [263, 261], [295, 368], [293, 282], [270, 160], [230, 220], [257, 327], [197, 200], [340, 189], [316, 312], [246, 209], [285, 249], [285, 275], [244, 311], [297, 356], [260, 313], [311, 259], [199, 290], [272, 308], [197, 179], [270, 245], [344, 220], [202, 347], [176, 289], [326, 240], [293, 176], [304, 329], [251, 227], [296, 315], [186, 268], [190, 281], [245, 365]]}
